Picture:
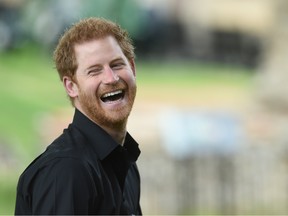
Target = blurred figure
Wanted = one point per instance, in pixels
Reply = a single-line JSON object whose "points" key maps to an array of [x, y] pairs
{"points": [[10, 30], [91, 168]]}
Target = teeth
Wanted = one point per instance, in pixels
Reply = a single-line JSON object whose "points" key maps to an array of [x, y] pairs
{"points": [[112, 93]]}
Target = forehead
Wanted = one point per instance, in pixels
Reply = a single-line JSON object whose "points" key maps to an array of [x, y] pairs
{"points": [[101, 49]]}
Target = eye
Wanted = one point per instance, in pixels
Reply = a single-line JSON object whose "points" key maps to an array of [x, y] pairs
{"points": [[118, 65], [94, 71]]}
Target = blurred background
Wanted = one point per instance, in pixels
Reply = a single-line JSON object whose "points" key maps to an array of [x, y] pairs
{"points": [[211, 114]]}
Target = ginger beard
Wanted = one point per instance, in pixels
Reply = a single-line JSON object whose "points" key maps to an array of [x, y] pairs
{"points": [[91, 104]]}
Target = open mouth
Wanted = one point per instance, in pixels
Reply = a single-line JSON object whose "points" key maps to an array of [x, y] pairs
{"points": [[113, 96]]}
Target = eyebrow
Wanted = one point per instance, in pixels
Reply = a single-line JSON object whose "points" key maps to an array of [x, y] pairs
{"points": [[97, 65], [117, 59]]}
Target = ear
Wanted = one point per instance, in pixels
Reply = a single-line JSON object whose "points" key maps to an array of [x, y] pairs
{"points": [[133, 66], [70, 86]]}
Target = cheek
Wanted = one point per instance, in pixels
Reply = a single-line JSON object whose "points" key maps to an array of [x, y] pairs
{"points": [[88, 92], [132, 81], [91, 87], [130, 78]]}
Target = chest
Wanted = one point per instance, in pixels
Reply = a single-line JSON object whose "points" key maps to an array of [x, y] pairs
{"points": [[118, 188]]}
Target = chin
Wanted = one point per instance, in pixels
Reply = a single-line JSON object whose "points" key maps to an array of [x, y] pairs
{"points": [[117, 119]]}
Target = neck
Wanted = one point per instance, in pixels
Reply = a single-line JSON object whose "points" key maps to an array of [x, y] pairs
{"points": [[118, 132]]}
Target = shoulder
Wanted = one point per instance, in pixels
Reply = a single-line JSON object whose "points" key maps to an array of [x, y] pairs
{"points": [[66, 156], [58, 173], [64, 185]]}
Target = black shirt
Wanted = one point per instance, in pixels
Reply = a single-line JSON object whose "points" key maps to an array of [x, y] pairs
{"points": [[84, 171]]}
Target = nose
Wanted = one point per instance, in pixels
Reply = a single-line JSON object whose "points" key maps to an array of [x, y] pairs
{"points": [[110, 76]]}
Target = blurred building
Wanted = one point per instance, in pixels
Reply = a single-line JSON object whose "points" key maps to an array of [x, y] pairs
{"points": [[229, 31]]}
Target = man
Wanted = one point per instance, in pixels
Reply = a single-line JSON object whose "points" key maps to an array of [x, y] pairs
{"points": [[90, 168]]}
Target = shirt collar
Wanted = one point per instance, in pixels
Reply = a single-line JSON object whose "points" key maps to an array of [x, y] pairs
{"points": [[102, 143]]}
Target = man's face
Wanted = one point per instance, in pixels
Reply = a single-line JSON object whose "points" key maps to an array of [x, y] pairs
{"points": [[105, 84]]}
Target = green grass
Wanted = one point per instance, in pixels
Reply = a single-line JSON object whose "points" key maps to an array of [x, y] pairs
{"points": [[7, 194], [193, 73], [30, 86]]}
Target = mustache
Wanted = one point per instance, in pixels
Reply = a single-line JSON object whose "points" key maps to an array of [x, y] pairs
{"points": [[119, 85]]}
